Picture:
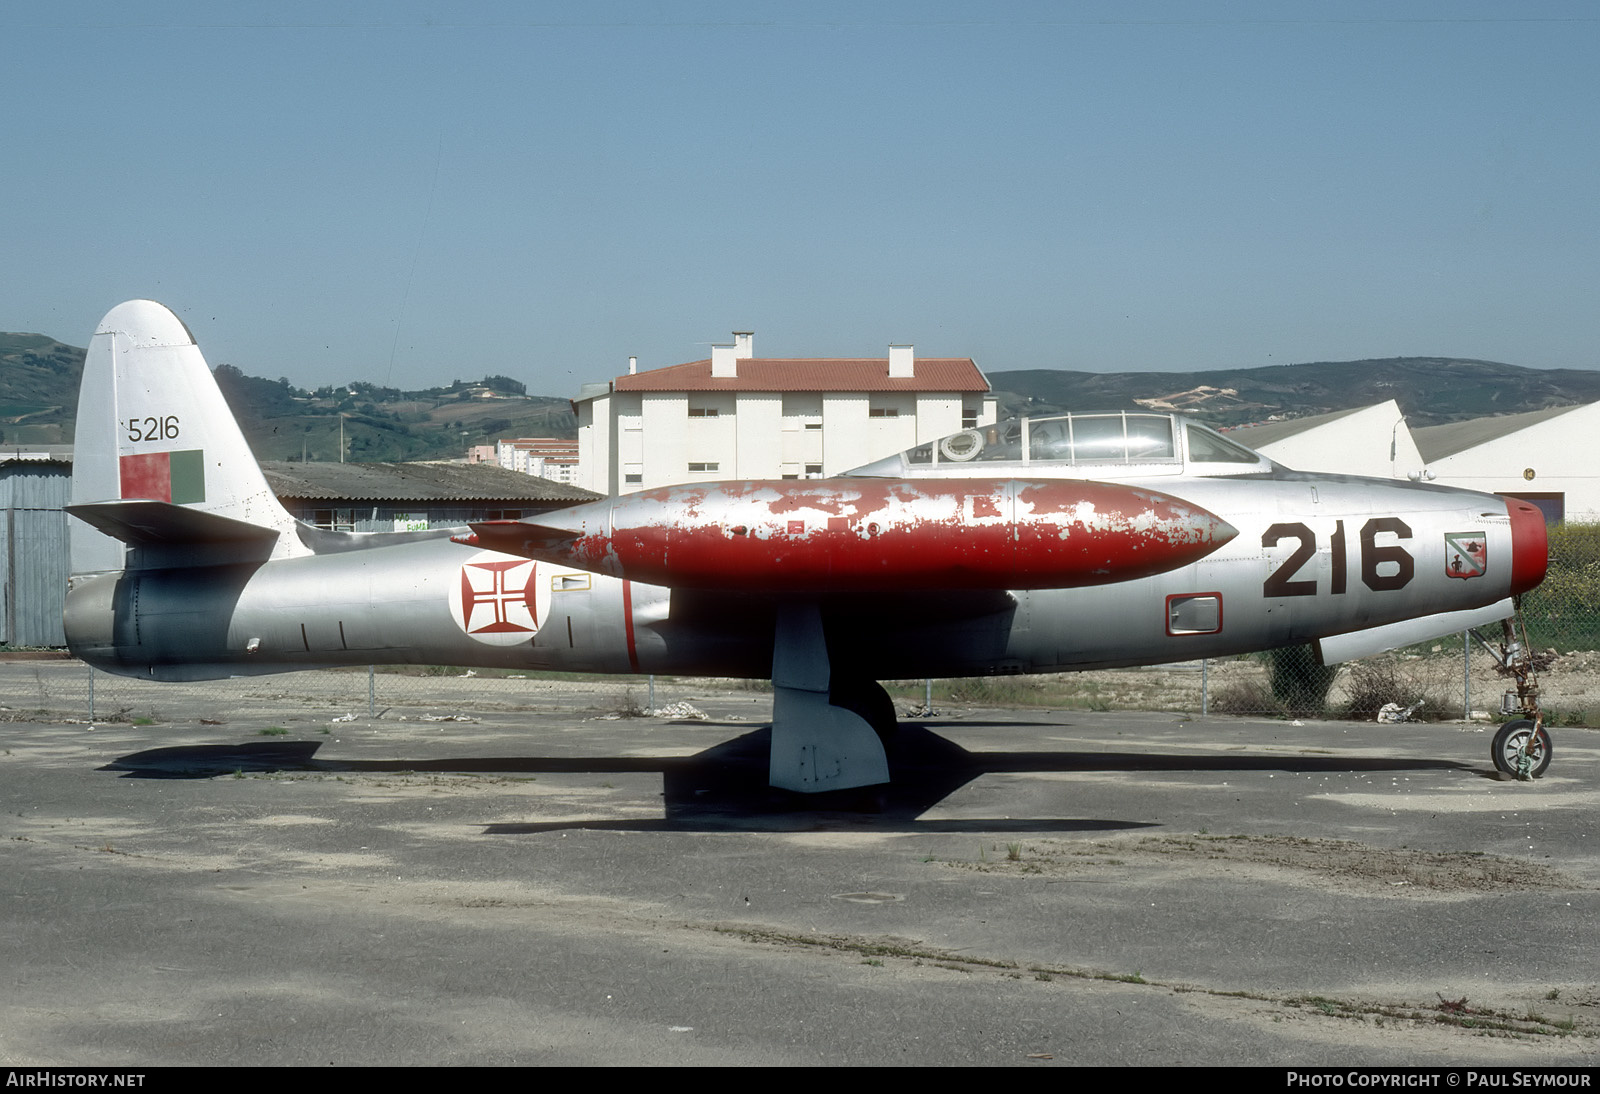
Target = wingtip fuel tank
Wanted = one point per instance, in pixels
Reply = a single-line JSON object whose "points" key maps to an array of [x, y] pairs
{"points": [[851, 534]]}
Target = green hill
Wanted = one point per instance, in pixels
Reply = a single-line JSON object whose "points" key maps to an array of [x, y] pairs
{"points": [[381, 424], [39, 395], [38, 389], [1430, 390]]}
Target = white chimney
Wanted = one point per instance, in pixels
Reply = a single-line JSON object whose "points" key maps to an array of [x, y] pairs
{"points": [[902, 363], [633, 365], [724, 359]]}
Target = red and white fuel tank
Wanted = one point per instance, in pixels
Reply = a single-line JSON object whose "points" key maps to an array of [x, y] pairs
{"points": [[848, 534]]}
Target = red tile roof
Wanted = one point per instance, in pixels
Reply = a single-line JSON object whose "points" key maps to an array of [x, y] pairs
{"points": [[812, 374]]}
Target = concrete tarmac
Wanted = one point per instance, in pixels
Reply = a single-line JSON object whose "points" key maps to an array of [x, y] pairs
{"points": [[1035, 889]]}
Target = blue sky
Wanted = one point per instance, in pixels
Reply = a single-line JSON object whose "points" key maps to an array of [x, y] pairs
{"points": [[412, 192]]}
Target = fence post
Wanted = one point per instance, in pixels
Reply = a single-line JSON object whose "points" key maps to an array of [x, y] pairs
{"points": [[651, 709], [91, 694], [1205, 687], [1466, 676], [372, 704]]}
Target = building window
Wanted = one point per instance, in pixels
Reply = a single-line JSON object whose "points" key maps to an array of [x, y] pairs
{"points": [[813, 470], [888, 406], [813, 425], [633, 478], [704, 466], [704, 412], [503, 514]]}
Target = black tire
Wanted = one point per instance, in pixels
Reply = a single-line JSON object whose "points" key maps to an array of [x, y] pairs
{"points": [[1512, 737]]}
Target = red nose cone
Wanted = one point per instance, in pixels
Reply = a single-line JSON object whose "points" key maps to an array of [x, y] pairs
{"points": [[1530, 546]]}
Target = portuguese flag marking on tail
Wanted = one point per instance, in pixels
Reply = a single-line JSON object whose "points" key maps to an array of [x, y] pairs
{"points": [[178, 477]]}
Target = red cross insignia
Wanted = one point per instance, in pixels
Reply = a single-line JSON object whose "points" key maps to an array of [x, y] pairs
{"points": [[497, 598]]}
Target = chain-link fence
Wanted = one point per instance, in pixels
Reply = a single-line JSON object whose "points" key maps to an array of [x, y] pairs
{"points": [[53, 688], [1448, 678]]}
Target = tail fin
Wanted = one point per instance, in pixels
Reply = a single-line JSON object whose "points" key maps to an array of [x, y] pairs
{"points": [[158, 456]]}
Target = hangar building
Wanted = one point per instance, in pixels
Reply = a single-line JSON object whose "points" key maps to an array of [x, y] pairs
{"points": [[1545, 456], [1370, 440]]}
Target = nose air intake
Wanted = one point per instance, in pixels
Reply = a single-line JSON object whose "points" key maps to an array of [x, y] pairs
{"points": [[1530, 545]]}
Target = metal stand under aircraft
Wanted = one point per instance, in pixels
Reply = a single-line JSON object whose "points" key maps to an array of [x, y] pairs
{"points": [[816, 745]]}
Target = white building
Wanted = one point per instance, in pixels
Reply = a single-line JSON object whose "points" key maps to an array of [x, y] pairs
{"points": [[739, 416], [1371, 440], [552, 458], [1545, 456]]}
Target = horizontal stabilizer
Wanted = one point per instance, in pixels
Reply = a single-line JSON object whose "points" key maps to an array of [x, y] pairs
{"points": [[516, 537], [141, 523], [1376, 640]]}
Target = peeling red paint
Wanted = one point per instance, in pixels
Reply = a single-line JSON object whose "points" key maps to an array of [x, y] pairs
{"points": [[984, 506], [842, 535]]}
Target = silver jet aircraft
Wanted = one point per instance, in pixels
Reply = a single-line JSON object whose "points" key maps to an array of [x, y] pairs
{"points": [[1043, 545]]}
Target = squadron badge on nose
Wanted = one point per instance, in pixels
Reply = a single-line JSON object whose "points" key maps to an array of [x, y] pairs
{"points": [[1466, 554]]}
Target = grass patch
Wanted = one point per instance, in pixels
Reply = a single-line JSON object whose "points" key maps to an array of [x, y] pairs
{"points": [[1378, 681], [1049, 691], [1246, 697]]}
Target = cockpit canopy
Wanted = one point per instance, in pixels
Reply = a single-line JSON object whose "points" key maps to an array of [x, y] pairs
{"points": [[1119, 445]]}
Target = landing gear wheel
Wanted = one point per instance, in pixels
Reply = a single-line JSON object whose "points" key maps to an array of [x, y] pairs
{"points": [[1517, 738]]}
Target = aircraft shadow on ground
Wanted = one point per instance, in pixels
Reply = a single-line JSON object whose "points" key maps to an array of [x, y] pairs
{"points": [[725, 787]]}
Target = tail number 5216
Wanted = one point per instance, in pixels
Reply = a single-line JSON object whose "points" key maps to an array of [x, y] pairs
{"points": [[153, 429]]}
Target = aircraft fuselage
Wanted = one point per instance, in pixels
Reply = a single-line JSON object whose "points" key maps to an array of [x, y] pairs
{"points": [[1314, 555]]}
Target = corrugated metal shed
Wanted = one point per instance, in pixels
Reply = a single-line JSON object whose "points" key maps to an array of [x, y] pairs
{"points": [[384, 497], [417, 482], [33, 548]]}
